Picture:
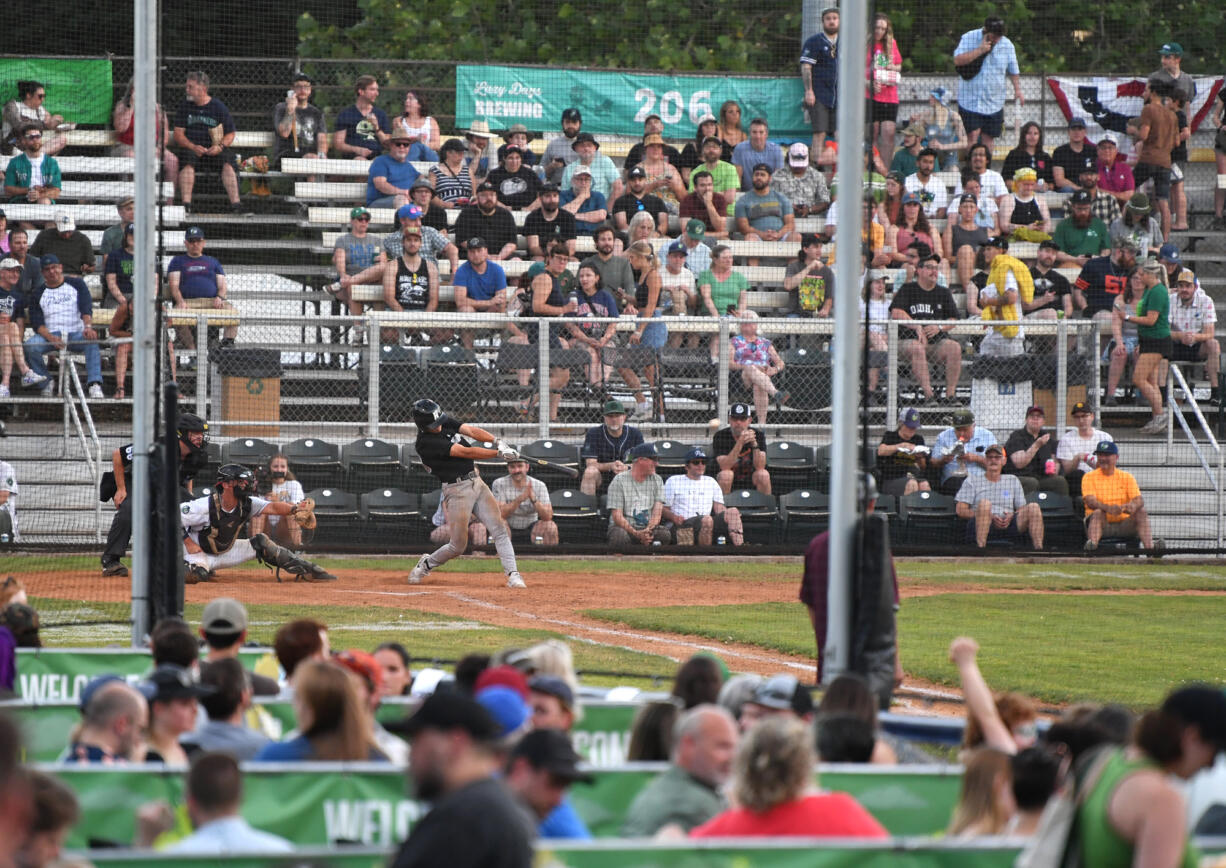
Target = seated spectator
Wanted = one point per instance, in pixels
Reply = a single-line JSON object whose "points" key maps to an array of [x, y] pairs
{"points": [[410, 283], [13, 316], [758, 362], [724, 290], [479, 152], [756, 151], [843, 738], [172, 642], [581, 199], [560, 153], [1114, 506], [422, 129], [524, 502], [223, 626], [518, 136], [486, 219], [55, 812], [1125, 343], [198, 282], [224, 729], [1029, 154], [1070, 160], [1114, 173], [920, 300], [705, 205], [850, 694], [763, 214], [540, 768], [299, 125], [636, 502], [912, 225], [943, 127], [929, 186], [12, 590], [204, 131], [1103, 205], [391, 175], [332, 722], [691, 154], [29, 109], [553, 703], [1077, 446], [803, 185], [994, 506], [729, 128], [875, 306], [478, 536], [549, 223], [1034, 772], [653, 125], [394, 660], [651, 732], [902, 457], [680, 291], [353, 253], [606, 180], [66, 241], [480, 285], [985, 804], [214, 796], [362, 130], [281, 486], [773, 771], [1023, 215], [606, 446], [960, 451], [1193, 325], [22, 622], [724, 176], [516, 185], [694, 506], [433, 243], [979, 165], [740, 453], [112, 730], [172, 692], [691, 791], [453, 183], [808, 281], [1053, 294], [61, 316], [662, 177], [1005, 723], [123, 121], [699, 679], [367, 677], [296, 642], [112, 238], [905, 159], [964, 237], [737, 692], [1032, 456], [593, 300], [1103, 279], [636, 200]]}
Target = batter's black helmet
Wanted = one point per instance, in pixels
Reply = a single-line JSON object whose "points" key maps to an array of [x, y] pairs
{"points": [[189, 423], [243, 478], [426, 413]]}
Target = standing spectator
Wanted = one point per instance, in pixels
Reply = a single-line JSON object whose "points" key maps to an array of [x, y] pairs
{"points": [[32, 176], [581, 199], [637, 200], [560, 151], [198, 282], [204, 131], [884, 65], [923, 299], [362, 130], [606, 179], [1076, 449], [1171, 74], [225, 707], [488, 220], [299, 125], [754, 152], [112, 238], [1081, 235], [1069, 160], [453, 183], [981, 96], [61, 316], [1114, 506], [758, 362], [524, 503], [1029, 154], [123, 121], [1114, 173], [960, 451], [29, 108], [646, 305], [214, 796], [707, 206], [69, 244], [636, 502], [994, 505], [1158, 134], [352, 254], [1219, 157], [13, 316], [691, 791], [1032, 456], [391, 174], [802, 183], [902, 457], [452, 763], [928, 186], [606, 446], [942, 127], [112, 730], [516, 184], [415, 121], [694, 506], [1179, 158], [819, 73], [117, 272], [549, 223], [808, 281], [1154, 330], [1193, 325], [740, 453], [723, 290]]}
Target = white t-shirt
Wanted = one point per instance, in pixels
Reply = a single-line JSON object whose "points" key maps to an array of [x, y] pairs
{"points": [[690, 497], [684, 281], [932, 194], [991, 184], [525, 514], [195, 515], [291, 492], [61, 313], [8, 482], [878, 308], [36, 170], [1073, 443]]}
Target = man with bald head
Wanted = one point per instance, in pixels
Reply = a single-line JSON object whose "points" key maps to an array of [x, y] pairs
{"points": [[113, 729], [690, 792]]}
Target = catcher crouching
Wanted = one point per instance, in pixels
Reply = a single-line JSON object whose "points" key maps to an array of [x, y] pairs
{"points": [[211, 526]]}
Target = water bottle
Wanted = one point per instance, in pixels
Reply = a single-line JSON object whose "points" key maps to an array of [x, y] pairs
{"points": [[540, 540], [4, 539], [1049, 467], [721, 541]]}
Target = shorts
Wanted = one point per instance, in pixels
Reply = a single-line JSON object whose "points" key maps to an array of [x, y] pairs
{"points": [[896, 485], [822, 118], [208, 162], [1185, 353], [1010, 533], [989, 125], [1117, 529], [522, 536], [655, 335], [1161, 346], [882, 111], [1131, 342], [382, 202], [719, 526], [1161, 176], [1176, 173]]}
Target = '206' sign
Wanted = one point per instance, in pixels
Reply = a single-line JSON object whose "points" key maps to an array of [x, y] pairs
{"points": [[672, 105]]}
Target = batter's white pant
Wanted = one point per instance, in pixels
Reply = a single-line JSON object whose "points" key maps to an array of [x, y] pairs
{"points": [[239, 553]]}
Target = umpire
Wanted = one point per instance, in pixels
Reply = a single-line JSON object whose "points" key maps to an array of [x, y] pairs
{"points": [[446, 454], [193, 436]]}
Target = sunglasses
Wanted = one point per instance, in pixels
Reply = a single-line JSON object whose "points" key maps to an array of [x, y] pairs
{"points": [[697, 461], [400, 144], [365, 219], [34, 135]]}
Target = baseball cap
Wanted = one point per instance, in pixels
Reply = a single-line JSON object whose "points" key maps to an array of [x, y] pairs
{"points": [[911, 199], [506, 706], [169, 681], [708, 118], [896, 176], [783, 693], [910, 417], [93, 686], [448, 710], [9, 262], [1035, 408], [798, 154], [995, 447], [998, 241], [1081, 407], [1185, 276], [553, 686], [612, 406], [1171, 48], [1170, 253], [64, 222], [1081, 197], [549, 187], [419, 183], [695, 454], [50, 259], [636, 172], [193, 233], [486, 185], [409, 212], [572, 114], [357, 212], [738, 411], [715, 139], [579, 170], [224, 615], [476, 241], [1048, 244], [967, 197], [1107, 139], [877, 274], [506, 676], [963, 417], [761, 167], [1106, 447], [1077, 123], [695, 228], [940, 94], [550, 750], [677, 248], [644, 450]]}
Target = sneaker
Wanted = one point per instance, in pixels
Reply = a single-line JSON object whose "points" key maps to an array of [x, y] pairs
{"points": [[95, 390], [515, 580], [48, 389], [31, 378], [420, 571], [781, 398], [1111, 402], [113, 568], [332, 288], [1091, 545], [1154, 425]]}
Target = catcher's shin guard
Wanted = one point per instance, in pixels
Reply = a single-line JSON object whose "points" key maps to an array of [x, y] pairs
{"points": [[280, 558], [195, 574]]}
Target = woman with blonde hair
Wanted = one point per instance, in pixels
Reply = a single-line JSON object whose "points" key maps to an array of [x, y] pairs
{"points": [[1154, 330], [332, 722], [554, 659], [985, 805], [730, 132], [650, 331]]}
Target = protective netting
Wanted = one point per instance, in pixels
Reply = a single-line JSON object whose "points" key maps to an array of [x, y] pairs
{"points": [[328, 323]]}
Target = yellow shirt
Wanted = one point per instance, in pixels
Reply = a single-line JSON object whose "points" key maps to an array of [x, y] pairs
{"points": [[1114, 490]]}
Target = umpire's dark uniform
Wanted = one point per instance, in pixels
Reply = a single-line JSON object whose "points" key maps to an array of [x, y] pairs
{"points": [[121, 526]]}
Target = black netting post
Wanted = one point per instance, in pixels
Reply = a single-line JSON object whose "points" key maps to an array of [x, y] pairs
{"points": [[166, 591]]}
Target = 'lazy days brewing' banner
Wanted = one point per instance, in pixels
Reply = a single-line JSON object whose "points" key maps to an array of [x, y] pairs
{"points": [[618, 102]]}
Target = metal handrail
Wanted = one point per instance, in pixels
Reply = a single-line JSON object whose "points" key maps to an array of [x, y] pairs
{"points": [[1177, 375]]}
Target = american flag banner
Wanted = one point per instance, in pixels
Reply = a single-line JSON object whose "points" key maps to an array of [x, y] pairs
{"points": [[1106, 104]]}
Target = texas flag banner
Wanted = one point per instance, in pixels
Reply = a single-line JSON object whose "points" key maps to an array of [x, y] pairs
{"points": [[1106, 104]]}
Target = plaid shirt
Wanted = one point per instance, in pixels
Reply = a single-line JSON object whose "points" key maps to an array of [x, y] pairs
{"points": [[1105, 207], [809, 189], [1191, 317]]}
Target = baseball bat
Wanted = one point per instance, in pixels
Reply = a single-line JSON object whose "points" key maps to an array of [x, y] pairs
{"points": [[572, 472]]}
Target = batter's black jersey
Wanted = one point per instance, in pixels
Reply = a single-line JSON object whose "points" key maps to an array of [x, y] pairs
{"points": [[434, 449]]}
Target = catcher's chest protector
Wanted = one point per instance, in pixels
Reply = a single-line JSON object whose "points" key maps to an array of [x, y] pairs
{"points": [[224, 526]]}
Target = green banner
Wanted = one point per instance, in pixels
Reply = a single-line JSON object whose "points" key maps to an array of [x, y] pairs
{"points": [[80, 90], [618, 102], [355, 857]]}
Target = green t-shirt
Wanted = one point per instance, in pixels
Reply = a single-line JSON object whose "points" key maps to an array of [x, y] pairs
{"points": [[635, 499], [673, 797], [726, 293], [1091, 241], [1158, 298], [723, 175]]}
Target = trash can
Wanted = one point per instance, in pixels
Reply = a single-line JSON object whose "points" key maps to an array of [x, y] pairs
{"points": [[1001, 390], [250, 392]]}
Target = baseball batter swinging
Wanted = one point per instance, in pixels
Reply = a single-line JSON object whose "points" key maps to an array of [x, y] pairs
{"points": [[211, 526], [445, 453]]}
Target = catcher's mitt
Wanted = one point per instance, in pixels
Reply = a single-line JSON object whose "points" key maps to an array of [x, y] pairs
{"points": [[304, 513]]}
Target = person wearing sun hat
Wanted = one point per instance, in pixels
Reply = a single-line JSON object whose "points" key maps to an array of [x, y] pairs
{"points": [[606, 179], [1023, 215]]}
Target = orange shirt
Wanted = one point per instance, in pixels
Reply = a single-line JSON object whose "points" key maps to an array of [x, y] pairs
{"points": [[1117, 489]]}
